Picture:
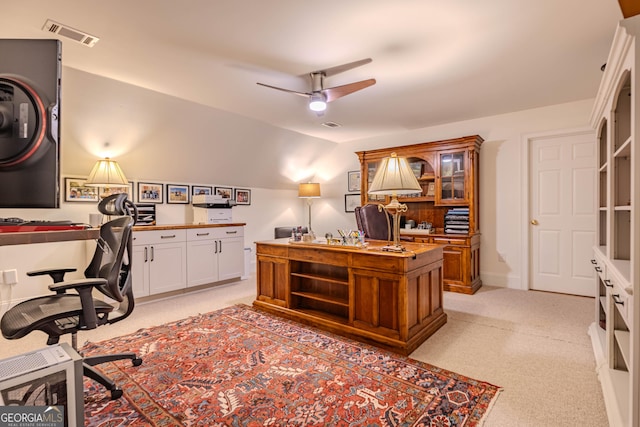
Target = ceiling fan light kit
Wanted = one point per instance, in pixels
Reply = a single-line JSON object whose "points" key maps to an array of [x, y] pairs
{"points": [[319, 96], [317, 103]]}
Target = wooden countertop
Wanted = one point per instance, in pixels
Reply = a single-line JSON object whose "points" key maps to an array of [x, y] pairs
{"points": [[28, 237], [183, 226]]}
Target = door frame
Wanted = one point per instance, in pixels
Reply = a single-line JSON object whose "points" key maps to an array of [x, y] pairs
{"points": [[525, 191]]}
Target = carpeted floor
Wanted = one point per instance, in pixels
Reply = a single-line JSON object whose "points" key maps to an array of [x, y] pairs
{"points": [[243, 367]]}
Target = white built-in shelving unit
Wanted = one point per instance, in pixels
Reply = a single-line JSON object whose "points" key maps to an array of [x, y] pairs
{"points": [[615, 334]]}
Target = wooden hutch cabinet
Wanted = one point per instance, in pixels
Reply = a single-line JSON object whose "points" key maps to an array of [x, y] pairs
{"points": [[448, 172]]}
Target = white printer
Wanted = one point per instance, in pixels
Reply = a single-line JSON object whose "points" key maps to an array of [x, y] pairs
{"points": [[212, 209]]}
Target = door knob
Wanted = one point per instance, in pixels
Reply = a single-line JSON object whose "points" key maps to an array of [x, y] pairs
{"points": [[534, 222]]}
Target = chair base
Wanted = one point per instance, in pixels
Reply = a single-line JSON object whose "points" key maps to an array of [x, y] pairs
{"points": [[99, 377]]}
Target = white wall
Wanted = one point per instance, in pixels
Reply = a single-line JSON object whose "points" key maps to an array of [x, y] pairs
{"points": [[159, 138]]}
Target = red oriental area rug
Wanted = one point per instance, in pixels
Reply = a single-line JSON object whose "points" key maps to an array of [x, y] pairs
{"points": [[242, 367]]}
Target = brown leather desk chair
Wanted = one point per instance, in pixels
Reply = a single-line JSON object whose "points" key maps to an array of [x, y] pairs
{"points": [[375, 223]]}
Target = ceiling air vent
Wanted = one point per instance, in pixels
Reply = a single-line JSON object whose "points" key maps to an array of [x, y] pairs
{"points": [[331, 124], [72, 33]]}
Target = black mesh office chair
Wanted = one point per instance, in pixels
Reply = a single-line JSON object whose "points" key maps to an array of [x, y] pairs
{"points": [[67, 313]]}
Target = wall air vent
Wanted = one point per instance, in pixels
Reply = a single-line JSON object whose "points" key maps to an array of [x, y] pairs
{"points": [[71, 33], [331, 124]]}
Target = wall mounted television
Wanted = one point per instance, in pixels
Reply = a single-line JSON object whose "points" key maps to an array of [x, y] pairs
{"points": [[30, 76]]}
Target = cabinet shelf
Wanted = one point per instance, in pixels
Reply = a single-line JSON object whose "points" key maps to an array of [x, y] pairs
{"points": [[321, 278], [322, 297], [623, 338], [603, 303], [315, 314], [624, 150]]}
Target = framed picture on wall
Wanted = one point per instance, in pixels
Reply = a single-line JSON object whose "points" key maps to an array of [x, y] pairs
{"points": [[106, 192], [177, 193], [353, 180], [351, 202], [225, 192], [242, 196], [149, 192], [197, 190], [76, 191]]}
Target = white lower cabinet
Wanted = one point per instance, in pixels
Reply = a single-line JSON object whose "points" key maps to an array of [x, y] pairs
{"points": [[214, 254], [159, 261], [177, 258]]}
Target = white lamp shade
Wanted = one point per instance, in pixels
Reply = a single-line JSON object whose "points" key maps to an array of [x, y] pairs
{"points": [[107, 173], [394, 176], [309, 190]]}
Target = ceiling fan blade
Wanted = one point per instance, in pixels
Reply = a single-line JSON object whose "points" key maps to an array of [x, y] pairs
{"points": [[305, 94], [344, 67], [334, 93]]}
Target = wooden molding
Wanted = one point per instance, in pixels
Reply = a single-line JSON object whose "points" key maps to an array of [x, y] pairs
{"points": [[629, 8]]}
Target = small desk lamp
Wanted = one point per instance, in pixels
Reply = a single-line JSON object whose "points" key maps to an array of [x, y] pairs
{"points": [[393, 177], [310, 191], [107, 173]]}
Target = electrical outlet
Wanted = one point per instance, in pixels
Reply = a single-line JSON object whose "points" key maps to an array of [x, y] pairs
{"points": [[502, 257], [10, 276]]}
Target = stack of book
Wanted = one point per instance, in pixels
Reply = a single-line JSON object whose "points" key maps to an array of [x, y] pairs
{"points": [[456, 221]]}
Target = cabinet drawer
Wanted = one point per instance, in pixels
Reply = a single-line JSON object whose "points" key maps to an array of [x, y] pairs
{"points": [[153, 237], [205, 233], [450, 241]]}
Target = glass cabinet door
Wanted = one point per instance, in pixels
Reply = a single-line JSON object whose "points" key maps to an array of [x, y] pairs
{"points": [[452, 174], [372, 167]]}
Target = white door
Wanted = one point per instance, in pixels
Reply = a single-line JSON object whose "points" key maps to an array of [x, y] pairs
{"points": [[562, 213]]}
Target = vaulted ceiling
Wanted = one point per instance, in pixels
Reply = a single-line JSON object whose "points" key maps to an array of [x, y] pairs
{"points": [[435, 61]]}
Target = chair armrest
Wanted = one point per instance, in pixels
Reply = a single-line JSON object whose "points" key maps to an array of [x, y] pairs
{"points": [[84, 287], [77, 284], [57, 274]]}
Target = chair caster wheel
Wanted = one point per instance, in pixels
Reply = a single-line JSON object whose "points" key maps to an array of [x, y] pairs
{"points": [[116, 393], [137, 361]]}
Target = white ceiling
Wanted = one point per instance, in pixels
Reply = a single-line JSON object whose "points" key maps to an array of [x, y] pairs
{"points": [[435, 61]]}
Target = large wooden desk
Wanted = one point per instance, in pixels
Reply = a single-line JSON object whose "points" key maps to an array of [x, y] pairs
{"points": [[392, 300]]}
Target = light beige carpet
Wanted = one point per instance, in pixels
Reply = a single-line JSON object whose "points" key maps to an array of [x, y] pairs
{"points": [[533, 344]]}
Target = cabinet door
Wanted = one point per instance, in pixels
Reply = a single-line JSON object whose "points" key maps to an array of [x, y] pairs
{"points": [[230, 258], [202, 262], [453, 264], [168, 267], [451, 185], [140, 271]]}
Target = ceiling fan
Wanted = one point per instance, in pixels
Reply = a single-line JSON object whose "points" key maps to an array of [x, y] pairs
{"points": [[319, 96]]}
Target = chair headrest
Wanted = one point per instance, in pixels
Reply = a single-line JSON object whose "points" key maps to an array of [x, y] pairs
{"points": [[118, 204]]}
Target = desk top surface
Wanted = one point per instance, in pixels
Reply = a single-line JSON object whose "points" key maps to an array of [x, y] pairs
{"points": [[372, 247], [29, 237]]}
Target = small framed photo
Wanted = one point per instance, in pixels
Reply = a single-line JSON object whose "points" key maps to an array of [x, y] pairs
{"points": [[199, 190], [416, 167], [225, 192], [243, 197], [431, 189], [76, 191], [353, 180], [106, 192], [149, 192], [177, 193], [351, 202]]}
